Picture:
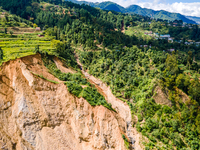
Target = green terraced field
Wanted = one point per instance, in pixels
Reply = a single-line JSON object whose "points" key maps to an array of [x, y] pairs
{"points": [[16, 47]]}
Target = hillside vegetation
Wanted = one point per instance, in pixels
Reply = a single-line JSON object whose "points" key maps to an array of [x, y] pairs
{"points": [[19, 38], [134, 75], [161, 87]]}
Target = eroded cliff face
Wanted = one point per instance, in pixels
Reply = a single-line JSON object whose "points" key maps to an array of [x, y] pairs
{"points": [[36, 114], [121, 107]]}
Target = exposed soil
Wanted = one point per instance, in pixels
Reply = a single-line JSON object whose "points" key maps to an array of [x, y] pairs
{"points": [[122, 108], [62, 67], [36, 114]]}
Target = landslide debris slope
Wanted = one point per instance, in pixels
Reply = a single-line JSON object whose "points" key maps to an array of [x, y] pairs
{"points": [[37, 113]]}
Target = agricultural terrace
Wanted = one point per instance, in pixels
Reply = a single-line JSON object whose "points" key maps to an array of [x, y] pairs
{"points": [[15, 46]]}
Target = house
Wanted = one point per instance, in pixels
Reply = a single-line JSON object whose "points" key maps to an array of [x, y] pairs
{"points": [[179, 41], [171, 50], [166, 37], [197, 43], [171, 40], [190, 41], [37, 29], [156, 34], [39, 35]]}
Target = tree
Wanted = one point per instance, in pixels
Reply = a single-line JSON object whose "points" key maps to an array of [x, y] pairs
{"points": [[194, 89], [11, 32], [35, 6], [63, 2], [29, 9], [183, 82], [35, 25], [1, 54], [189, 59], [5, 30], [171, 64]]}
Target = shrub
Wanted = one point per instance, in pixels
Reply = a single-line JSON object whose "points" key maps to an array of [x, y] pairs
{"points": [[139, 129], [74, 88], [167, 109], [140, 118], [152, 139]]}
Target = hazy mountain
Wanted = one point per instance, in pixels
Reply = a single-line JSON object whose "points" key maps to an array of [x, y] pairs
{"points": [[196, 19], [165, 15], [141, 11]]}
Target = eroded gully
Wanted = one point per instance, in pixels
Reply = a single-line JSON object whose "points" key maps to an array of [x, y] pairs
{"points": [[121, 107]]}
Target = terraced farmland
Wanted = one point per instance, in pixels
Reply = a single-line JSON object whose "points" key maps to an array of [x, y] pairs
{"points": [[23, 45]]}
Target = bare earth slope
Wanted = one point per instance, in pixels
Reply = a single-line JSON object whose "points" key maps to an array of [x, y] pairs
{"points": [[121, 107], [36, 114]]}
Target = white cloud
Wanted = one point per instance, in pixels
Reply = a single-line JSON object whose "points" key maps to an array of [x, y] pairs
{"points": [[188, 9]]}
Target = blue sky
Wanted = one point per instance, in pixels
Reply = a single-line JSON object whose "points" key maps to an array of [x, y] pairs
{"points": [[185, 7]]}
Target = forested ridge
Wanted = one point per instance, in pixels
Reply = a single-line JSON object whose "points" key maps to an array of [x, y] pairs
{"points": [[164, 15], [161, 87]]}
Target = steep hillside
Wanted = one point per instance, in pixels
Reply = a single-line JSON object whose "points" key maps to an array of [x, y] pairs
{"points": [[103, 5], [38, 112], [142, 11], [112, 7], [158, 14], [99, 79], [159, 89]]}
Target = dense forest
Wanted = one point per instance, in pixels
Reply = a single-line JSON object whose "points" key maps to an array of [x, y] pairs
{"points": [[137, 75], [90, 25], [134, 75]]}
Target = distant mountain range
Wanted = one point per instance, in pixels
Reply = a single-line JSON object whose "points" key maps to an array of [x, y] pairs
{"points": [[141, 11], [196, 19]]}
